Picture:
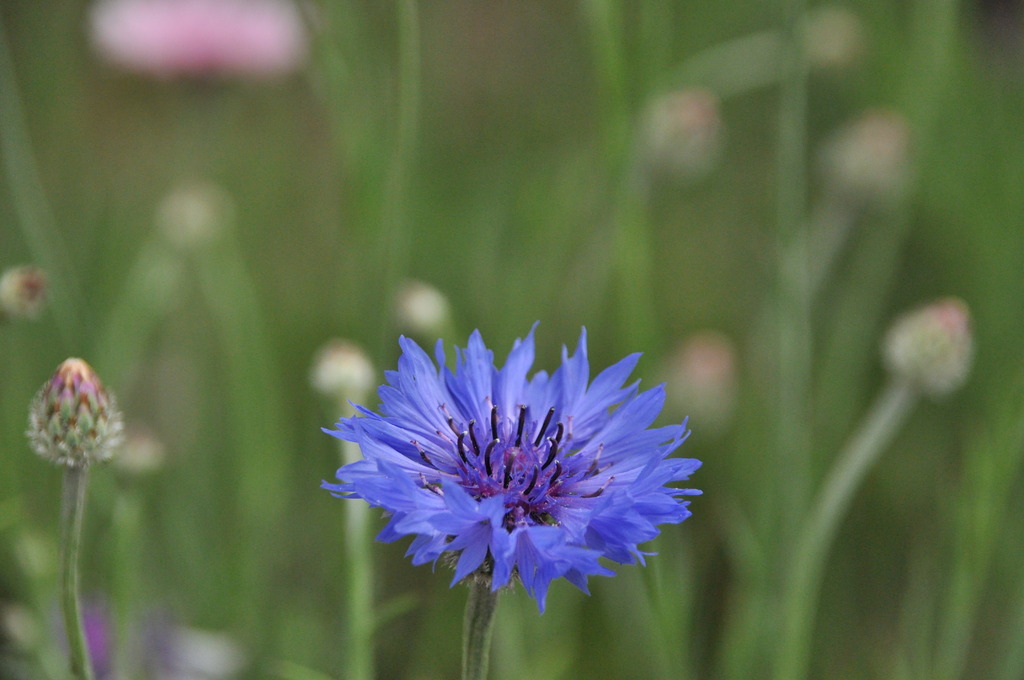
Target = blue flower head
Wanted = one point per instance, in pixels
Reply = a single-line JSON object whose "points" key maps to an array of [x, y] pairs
{"points": [[536, 476]]}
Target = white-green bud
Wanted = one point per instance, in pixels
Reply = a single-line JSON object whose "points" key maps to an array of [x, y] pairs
{"points": [[194, 214], [73, 420], [834, 38], [932, 347], [423, 310], [342, 371], [141, 453]]}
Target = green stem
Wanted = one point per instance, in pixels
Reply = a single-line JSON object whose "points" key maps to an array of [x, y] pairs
{"points": [[793, 442], [71, 512], [477, 624], [359, 600], [801, 594], [395, 233]]}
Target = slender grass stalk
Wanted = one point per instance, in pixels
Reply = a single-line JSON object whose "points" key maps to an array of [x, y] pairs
{"points": [[257, 411], [632, 249], [35, 217], [71, 513], [149, 291], [359, 615], [736, 67], [808, 560], [992, 467], [793, 432], [395, 237], [125, 572], [477, 625]]}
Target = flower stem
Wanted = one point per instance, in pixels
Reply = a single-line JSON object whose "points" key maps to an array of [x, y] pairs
{"points": [[359, 615], [399, 183], [71, 513], [876, 432], [793, 439], [477, 626]]}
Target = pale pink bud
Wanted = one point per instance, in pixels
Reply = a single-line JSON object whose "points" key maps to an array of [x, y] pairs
{"points": [[868, 161], [932, 347], [22, 292], [702, 381], [683, 133]]}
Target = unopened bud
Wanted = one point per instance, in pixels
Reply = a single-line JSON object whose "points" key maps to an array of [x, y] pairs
{"points": [[833, 38], [702, 379], [73, 420], [932, 347], [141, 453], [423, 310], [194, 214], [683, 133], [342, 371], [19, 625], [868, 162], [22, 292]]}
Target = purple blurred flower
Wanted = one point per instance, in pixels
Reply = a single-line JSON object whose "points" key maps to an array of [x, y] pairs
{"points": [[530, 477], [200, 38]]}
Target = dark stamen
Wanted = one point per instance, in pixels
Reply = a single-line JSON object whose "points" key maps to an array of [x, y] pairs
{"points": [[508, 472], [553, 445], [595, 494], [592, 470], [533, 480], [554, 475], [487, 456], [472, 438], [423, 454], [451, 424], [544, 427], [494, 422], [559, 432], [462, 447], [519, 428]]}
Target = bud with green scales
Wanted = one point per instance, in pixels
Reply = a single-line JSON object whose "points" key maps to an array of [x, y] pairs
{"points": [[73, 420]]}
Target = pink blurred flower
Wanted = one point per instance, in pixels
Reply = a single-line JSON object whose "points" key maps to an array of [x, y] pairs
{"points": [[175, 38]]}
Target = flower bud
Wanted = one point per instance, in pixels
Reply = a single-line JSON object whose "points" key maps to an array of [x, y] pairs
{"points": [[342, 371], [73, 420], [22, 292], [422, 309], [702, 379], [19, 625], [833, 38], [868, 161], [932, 347], [683, 133], [142, 452], [194, 214]]}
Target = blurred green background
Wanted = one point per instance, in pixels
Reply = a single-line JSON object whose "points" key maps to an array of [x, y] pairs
{"points": [[501, 152]]}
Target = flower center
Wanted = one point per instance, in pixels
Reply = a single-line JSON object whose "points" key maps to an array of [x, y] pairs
{"points": [[530, 465]]}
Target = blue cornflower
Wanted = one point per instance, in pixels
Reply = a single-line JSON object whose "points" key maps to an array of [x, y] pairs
{"points": [[536, 477]]}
